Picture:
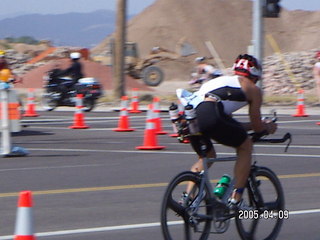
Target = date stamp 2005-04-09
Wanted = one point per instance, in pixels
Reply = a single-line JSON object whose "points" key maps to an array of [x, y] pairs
{"points": [[255, 214]]}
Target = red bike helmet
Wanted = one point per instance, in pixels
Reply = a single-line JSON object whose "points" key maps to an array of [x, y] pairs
{"points": [[248, 66], [318, 55]]}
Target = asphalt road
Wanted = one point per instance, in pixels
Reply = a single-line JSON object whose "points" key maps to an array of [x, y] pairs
{"points": [[93, 183]]}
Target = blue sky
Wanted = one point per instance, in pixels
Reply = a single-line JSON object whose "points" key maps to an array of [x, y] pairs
{"points": [[17, 7]]}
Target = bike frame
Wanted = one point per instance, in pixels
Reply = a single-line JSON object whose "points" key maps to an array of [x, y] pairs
{"points": [[205, 181]]}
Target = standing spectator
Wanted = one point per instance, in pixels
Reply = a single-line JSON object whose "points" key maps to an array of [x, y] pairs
{"points": [[3, 62], [316, 74], [5, 65]]}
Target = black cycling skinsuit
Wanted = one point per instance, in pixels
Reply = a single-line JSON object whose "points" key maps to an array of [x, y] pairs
{"points": [[214, 117]]}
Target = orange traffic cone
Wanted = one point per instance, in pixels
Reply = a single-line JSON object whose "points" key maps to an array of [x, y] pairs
{"points": [[78, 120], [135, 102], [157, 118], [150, 137], [124, 123], [31, 112], [300, 105], [24, 222]]}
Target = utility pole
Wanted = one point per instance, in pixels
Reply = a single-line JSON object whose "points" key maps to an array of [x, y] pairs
{"points": [[262, 9], [257, 33], [120, 39]]}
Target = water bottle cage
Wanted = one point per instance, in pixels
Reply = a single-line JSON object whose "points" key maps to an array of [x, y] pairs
{"points": [[183, 131]]}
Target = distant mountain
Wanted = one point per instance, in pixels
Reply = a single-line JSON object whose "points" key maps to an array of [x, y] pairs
{"points": [[11, 15], [70, 29]]}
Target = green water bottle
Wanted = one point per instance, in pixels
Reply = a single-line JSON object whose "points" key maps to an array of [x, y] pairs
{"points": [[222, 186]]}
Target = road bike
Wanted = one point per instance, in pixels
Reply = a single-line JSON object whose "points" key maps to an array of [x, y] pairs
{"points": [[199, 213]]}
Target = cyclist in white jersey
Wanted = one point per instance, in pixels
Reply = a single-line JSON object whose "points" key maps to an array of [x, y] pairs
{"points": [[215, 102], [204, 71]]}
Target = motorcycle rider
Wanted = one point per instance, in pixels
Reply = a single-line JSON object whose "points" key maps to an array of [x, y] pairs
{"points": [[74, 71]]}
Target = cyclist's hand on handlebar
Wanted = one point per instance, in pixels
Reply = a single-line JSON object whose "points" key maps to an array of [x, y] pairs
{"points": [[270, 126]]}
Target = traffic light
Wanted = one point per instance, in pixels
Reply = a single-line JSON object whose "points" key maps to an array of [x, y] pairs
{"points": [[271, 8]]}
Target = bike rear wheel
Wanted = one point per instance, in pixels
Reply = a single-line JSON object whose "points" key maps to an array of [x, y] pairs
{"points": [[177, 220], [88, 104], [264, 195], [49, 101]]}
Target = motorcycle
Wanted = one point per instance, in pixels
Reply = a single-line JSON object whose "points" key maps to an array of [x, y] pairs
{"points": [[59, 93]]}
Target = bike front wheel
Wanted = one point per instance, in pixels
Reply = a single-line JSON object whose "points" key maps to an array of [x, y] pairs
{"points": [[186, 216], [263, 218]]}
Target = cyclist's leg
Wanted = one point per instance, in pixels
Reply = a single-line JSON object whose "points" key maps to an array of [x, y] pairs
{"points": [[198, 166], [237, 137], [242, 168], [197, 143]]}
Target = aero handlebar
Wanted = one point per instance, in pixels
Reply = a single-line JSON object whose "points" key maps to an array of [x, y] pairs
{"points": [[285, 137]]}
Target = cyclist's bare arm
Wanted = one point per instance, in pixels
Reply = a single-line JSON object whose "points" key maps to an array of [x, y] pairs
{"points": [[254, 96]]}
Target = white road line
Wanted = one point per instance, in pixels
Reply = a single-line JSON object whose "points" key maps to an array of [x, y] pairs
{"points": [[270, 146], [89, 129], [132, 226], [168, 152], [299, 212], [298, 121]]}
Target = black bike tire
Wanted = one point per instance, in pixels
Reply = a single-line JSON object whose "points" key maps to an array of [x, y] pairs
{"points": [[89, 104], [46, 100], [184, 176], [265, 172]]}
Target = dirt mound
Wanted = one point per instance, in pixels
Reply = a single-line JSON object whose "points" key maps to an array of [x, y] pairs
{"points": [[226, 23]]}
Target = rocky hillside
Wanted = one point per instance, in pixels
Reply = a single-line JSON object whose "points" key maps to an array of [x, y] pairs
{"points": [[284, 74]]}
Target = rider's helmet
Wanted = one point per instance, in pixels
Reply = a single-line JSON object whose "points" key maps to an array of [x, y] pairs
{"points": [[155, 50], [199, 59], [75, 55], [318, 55], [248, 66]]}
